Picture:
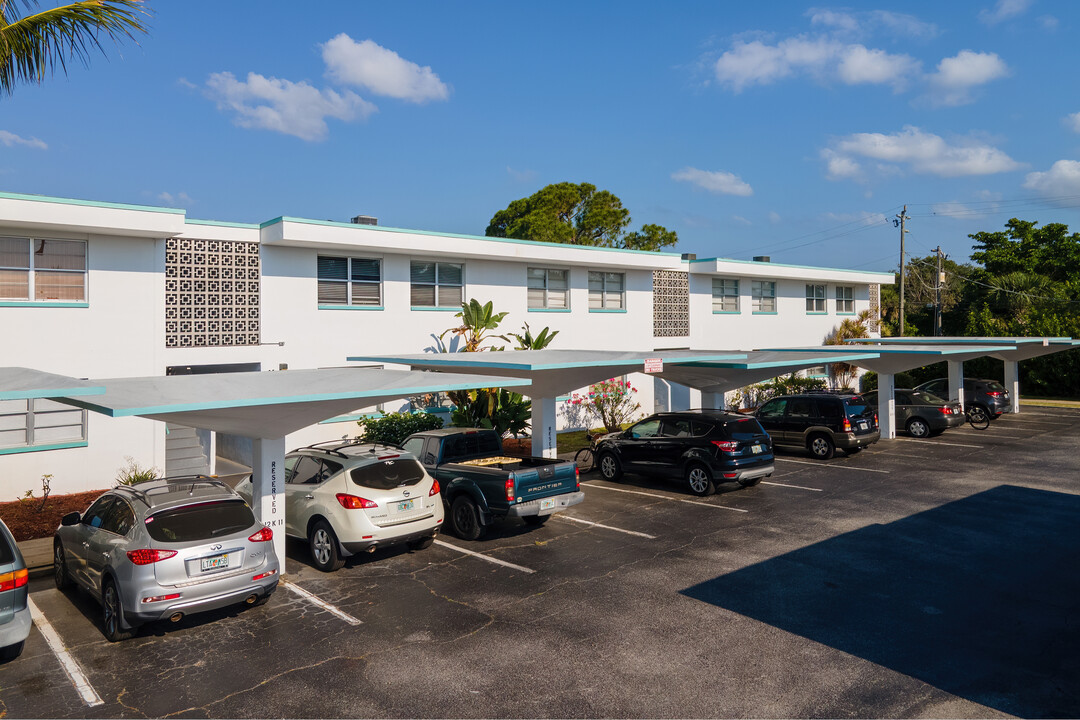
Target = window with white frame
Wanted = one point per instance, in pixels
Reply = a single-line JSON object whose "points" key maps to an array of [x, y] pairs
{"points": [[32, 423], [725, 295], [350, 281], [845, 299], [437, 284], [816, 371], [42, 269], [763, 296], [815, 298], [606, 290], [549, 289]]}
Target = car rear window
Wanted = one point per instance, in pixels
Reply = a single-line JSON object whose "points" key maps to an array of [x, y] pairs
{"points": [[857, 407], [388, 474], [7, 555], [929, 398], [741, 430], [202, 521], [995, 386], [471, 444]]}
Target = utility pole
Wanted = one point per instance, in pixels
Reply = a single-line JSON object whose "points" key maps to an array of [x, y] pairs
{"points": [[937, 293], [899, 222]]}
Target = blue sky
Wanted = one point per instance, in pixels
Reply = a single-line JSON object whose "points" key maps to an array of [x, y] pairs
{"points": [[785, 129]]}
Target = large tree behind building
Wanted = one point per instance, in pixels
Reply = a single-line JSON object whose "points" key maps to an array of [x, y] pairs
{"points": [[576, 214], [34, 44]]}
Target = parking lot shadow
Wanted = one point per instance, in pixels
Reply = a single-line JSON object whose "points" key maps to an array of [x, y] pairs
{"points": [[979, 597]]}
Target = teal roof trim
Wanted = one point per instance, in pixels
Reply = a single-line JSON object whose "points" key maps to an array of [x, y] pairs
{"points": [[89, 203], [798, 267], [383, 228], [885, 350], [50, 393], [222, 223], [937, 340], [750, 365], [627, 362]]}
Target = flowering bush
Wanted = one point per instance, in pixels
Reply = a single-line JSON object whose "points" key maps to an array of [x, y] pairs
{"points": [[611, 401]]}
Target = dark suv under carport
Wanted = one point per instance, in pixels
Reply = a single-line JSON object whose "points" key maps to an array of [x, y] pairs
{"points": [[820, 422]]}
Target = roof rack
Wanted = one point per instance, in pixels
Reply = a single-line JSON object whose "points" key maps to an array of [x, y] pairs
{"points": [[334, 447], [193, 480]]}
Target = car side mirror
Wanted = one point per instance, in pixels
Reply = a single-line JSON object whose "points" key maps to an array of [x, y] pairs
{"points": [[72, 518]]}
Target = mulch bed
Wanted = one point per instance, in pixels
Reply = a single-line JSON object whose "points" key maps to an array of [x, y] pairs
{"points": [[27, 519]]}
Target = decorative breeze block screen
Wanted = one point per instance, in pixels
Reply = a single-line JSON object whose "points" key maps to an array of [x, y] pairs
{"points": [[874, 323], [671, 303], [211, 293]]}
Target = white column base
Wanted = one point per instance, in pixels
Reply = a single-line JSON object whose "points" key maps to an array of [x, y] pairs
{"points": [[956, 382], [267, 489], [543, 427], [1012, 383]]}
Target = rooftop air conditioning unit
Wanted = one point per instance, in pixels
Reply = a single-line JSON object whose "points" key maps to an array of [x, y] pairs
{"points": [[364, 220]]}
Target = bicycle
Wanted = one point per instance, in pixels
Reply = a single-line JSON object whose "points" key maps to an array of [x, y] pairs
{"points": [[977, 417], [585, 458]]}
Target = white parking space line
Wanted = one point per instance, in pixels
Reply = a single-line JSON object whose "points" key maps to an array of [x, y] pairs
{"points": [[316, 600], [490, 559], [938, 442], [830, 465], [606, 527], [797, 487], [664, 497], [70, 664]]}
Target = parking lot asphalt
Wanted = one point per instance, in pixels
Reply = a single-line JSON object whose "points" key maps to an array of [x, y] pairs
{"points": [[918, 578]]}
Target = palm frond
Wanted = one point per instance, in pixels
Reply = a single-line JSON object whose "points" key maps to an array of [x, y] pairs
{"points": [[34, 45]]}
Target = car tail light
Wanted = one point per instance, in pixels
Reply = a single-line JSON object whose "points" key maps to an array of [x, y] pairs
{"points": [[147, 556], [577, 477], [726, 445], [847, 425], [14, 579], [160, 598], [993, 393], [263, 535], [266, 574], [387, 457], [875, 418], [510, 487], [354, 502], [434, 487], [730, 476]]}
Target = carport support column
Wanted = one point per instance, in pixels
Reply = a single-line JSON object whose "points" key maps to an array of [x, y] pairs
{"points": [[886, 405], [956, 382], [712, 400], [543, 427], [1012, 383], [267, 484]]}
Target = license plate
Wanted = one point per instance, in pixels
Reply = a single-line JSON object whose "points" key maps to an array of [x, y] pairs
{"points": [[862, 425], [215, 563], [547, 503], [755, 449], [404, 506]]}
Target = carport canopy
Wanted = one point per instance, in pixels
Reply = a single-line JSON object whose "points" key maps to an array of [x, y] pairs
{"points": [[1013, 350], [20, 383], [557, 372], [266, 406], [887, 361]]}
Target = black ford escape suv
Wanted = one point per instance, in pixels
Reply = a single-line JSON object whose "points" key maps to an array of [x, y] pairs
{"points": [[820, 422]]}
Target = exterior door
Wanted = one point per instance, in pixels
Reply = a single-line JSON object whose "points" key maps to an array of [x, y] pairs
{"points": [[299, 470], [639, 445], [771, 418]]}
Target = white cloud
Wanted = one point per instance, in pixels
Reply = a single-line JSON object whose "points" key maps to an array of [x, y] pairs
{"points": [[923, 153], [1048, 22], [1073, 122], [284, 106], [741, 220], [715, 182], [524, 176], [177, 200], [866, 22], [860, 219], [774, 217], [839, 166], [1003, 10], [1063, 178], [756, 63], [382, 71], [956, 76], [10, 139]]}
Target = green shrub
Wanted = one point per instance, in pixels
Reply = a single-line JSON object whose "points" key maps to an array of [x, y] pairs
{"points": [[393, 428], [133, 472]]}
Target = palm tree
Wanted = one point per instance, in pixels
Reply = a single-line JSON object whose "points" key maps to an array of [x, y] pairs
{"points": [[842, 374], [36, 43]]}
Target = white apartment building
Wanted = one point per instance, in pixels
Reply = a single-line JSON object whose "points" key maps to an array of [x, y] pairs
{"points": [[102, 290]]}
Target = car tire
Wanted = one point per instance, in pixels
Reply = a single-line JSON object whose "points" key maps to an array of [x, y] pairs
{"points": [[323, 544], [821, 446], [535, 520], [465, 518], [610, 467], [421, 543], [60, 575], [10, 652], [112, 613], [699, 480], [918, 428]]}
